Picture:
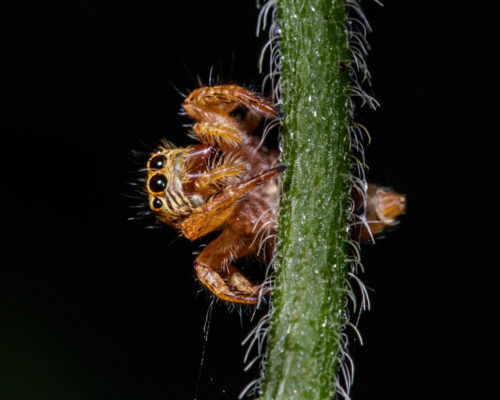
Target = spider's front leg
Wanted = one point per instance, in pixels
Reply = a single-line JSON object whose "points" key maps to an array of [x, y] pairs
{"points": [[211, 215], [215, 271], [213, 265], [212, 107]]}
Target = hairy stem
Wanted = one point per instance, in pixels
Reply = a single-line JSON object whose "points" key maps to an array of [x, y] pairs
{"points": [[309, 297]]}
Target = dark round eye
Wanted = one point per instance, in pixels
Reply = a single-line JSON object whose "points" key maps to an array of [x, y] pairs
{"points": [[157, 163], [157, 203], [158, 183]]}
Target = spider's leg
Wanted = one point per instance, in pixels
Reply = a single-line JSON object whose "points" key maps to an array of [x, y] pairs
{"points": [[214, 270], [212, 214], [213, 108], [229, 97], [214, 126], [219, 174], [235, 278]]}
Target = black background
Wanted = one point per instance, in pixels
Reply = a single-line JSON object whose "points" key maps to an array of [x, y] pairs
{"points": [[93, 306]]}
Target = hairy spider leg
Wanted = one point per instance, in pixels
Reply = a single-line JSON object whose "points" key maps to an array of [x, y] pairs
{"points": [[214, 270], [210, 216], [213, 266], [211, 107], [216, 127], [218, 173], [229, 97]]}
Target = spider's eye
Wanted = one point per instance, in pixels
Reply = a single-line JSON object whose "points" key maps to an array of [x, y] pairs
{"points": [[157, 203], [158, 183], [157, 163]]}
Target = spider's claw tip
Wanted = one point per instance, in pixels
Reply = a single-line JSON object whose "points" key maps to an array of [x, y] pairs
{"points": [[282, 167]]}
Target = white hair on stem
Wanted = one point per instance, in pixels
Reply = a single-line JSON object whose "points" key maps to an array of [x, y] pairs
{"points": [[359, 28]]}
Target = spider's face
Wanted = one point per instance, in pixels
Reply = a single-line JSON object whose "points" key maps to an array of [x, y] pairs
{"points": [[166, 175]]}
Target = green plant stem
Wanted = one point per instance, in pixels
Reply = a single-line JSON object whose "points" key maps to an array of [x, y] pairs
{"points": [[309, 296]]}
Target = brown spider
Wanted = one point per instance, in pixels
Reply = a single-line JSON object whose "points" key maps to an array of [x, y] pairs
{"points": [[228, 183]]}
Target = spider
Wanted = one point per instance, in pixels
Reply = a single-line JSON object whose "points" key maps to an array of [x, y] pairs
{"points": [[227, 183]]}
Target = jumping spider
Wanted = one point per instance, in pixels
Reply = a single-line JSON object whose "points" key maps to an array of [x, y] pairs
{"points": [[228, 183]]}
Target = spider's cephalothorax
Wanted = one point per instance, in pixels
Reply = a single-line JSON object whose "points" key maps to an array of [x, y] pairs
{"points": [[229, 183]]}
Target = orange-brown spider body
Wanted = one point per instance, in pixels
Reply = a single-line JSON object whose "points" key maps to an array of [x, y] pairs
{"points": [[229, 183]]}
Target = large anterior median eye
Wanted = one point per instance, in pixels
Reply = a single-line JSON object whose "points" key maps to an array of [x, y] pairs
{"points": [[158, 183], [157, 162]]}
